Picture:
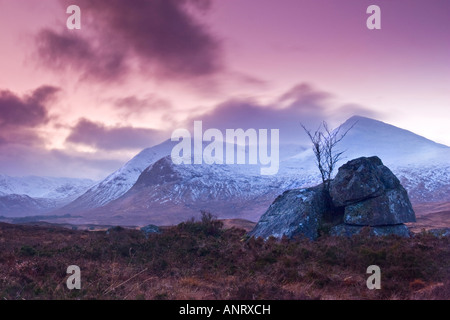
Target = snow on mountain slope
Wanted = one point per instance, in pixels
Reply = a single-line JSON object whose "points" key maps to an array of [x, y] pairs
{"points": [[119, 182], [44, 187], [166, 194], [395, 146], [25, 196], [426, 183], [15, 205]]}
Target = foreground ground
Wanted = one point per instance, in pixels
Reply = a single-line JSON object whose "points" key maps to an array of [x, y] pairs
{"points": [[203, 260]]}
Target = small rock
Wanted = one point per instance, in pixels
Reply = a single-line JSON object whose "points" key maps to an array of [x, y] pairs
{"points": [[441, 232], [147, 230]]}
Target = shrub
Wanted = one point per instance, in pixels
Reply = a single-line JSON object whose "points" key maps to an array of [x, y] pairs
{"points": [[208, 225], [28, 251]]}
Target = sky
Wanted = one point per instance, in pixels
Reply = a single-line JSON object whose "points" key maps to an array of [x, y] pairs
{"points": [[80, 103]]}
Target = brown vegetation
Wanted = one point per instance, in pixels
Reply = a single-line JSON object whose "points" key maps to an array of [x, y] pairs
{"points": [[202, 260]]}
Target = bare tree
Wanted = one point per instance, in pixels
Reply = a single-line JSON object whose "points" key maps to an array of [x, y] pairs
{"points": [[324, 141]]}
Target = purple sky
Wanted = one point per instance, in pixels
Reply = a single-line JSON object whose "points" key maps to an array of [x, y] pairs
{"points": [[82, 102]]}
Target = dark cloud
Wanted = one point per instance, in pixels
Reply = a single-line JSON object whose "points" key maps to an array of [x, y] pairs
{"points": [[69, 51], [301, 104], [27, 111], [102, 137], [162, 36], [20, 117]]}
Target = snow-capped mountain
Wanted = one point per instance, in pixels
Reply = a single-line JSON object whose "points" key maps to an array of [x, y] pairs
{"points": [[20, 205], [44, 187], [396, 147], [119, 182], [166, 193], [31, 195], [151, 189], [422, 165]]}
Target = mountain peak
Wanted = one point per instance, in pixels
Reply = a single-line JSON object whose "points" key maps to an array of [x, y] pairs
{"points": [[357, 117], [160, 172], [368, 137], [363, 120]]}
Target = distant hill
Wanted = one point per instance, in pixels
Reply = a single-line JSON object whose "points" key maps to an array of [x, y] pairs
{"points": [[31, 195]]}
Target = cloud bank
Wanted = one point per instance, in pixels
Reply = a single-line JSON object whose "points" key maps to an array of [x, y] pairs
{"points": [[158, 37], [303, 103], [101, 137]]}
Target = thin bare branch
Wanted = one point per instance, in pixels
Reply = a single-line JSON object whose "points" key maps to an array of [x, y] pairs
{"points": [[324, 141]]}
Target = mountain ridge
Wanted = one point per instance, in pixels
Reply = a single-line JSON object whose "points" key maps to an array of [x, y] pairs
{"points": [[165, 193], [151, 189]]}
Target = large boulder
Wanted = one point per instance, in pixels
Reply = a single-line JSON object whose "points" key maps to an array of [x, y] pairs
{"points": [[393, 207], [296, 212], [361, 179], [371, 194], [364, 194]]}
